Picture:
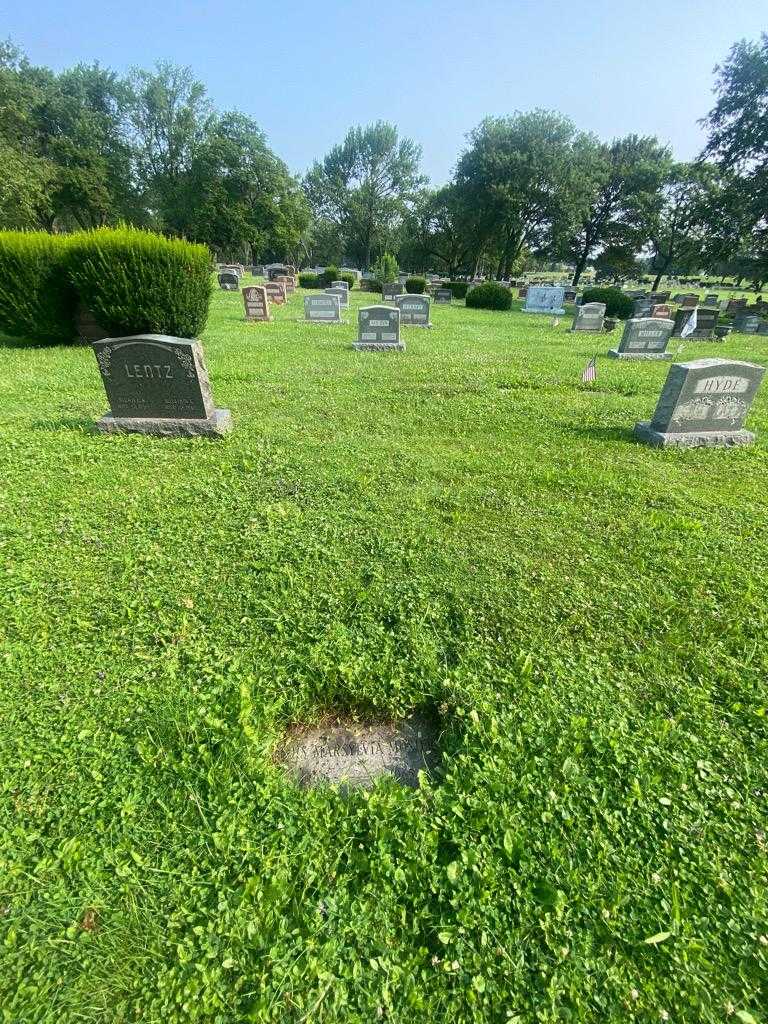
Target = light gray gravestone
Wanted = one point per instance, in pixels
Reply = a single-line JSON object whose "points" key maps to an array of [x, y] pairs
{"points": [[229, 280], [256, 302], [443, 296], [378, 329], [157, 384], [589, 317], [542, 299], [414, 310], [703, 403], [275, 292], [342, 295], [325, 309], [340, 284], [391, 290], [644, 338]]}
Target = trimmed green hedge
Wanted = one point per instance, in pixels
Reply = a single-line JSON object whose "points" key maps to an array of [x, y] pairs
{"points": [[309, 280], [490, 295], [37, 300], [459, 288], [135, 281], [416, 285], [617, 304]]}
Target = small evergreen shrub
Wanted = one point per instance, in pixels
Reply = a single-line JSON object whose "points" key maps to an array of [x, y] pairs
{"points": [[309, 280], [349, 278], [458, 288], [416, 285], [135, 281], [490, 295], [37, 300], [386, 269], [329, 274], [617, 304]]}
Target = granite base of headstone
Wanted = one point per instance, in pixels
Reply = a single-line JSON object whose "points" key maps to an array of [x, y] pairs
{"points": [[378, 330], [644, 338], [158, 385], [703, 403]]}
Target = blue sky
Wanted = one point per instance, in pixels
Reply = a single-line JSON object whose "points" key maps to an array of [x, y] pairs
{"points": [[307, 71]]}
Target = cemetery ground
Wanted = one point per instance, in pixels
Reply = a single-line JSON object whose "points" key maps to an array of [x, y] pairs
{"points": [[465, 527]]}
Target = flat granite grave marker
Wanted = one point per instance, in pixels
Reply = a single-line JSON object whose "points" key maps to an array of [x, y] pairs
{"points": [[443, 296], [378, 330], [541, 299], [324, 309], [644, 338], [256, 302], [157, 384], [229, 280], [391, 290], [354, 755], [275, 292], [589, 317], [414, 310], [341, 293], [703, 403]]}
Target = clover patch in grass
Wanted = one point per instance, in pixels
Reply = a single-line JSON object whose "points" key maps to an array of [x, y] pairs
{"points": [[353, 754]]}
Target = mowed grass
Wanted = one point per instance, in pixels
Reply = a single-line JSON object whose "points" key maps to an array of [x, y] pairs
{"points": [[465, 526]]}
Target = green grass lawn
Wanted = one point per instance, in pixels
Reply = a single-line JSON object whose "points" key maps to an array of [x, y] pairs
{"points": [[465, 526]]}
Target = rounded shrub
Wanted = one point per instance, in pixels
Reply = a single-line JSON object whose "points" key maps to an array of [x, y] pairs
{"points": [[37, 300], [617, 304], [349, 278], [309, 280], [416, 285], [458, 288], [490, 295], [329, 274], [134, 281]]}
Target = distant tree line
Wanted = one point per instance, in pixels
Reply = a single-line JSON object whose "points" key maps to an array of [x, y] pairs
{"points": [[86, 147]]}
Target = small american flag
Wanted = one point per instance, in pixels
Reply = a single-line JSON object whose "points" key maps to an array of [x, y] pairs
{"points": [[589, 373]]}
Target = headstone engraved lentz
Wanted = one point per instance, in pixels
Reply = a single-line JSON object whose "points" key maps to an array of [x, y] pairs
{"points": [[256, 303], [156, 384], [354, 755], [589, 317], [341, 293], [322, 309], [229, 280], [703, 403], [378, 329], [645, 338], [275, 292], [414, 310], [443, 295], [541, 299]]}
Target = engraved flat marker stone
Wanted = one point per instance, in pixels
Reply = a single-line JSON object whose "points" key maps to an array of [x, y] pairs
{"points": [[644, 338], [354, 755], [322, 309], [703, 403], [378, 330], [159, 385], [256, 303]]}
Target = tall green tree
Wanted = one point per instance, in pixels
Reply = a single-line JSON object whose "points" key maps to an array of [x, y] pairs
{"points": [[364, 186]]}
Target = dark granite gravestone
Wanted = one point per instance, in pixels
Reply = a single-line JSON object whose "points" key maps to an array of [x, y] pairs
{"points": [[762, 330], [414, 310], [706, 321], [522, 292], [735, 306], [703, 403], [322, 309], [645, 338], [156, 384], [661, 311], [642, 307], [256, 303], [443, 296], [378, 329], [275, 292], [88, 329], [746, 323], [275, 270], [391, 290], [257, 270], [545, 299], [589, 317], [690, 301], [354, 755], [342, 294], [682, 316], [229, 280], [710, 300], [570, 294]]}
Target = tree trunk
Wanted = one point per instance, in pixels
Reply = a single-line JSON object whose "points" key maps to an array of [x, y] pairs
{"points": [[580, 265]]}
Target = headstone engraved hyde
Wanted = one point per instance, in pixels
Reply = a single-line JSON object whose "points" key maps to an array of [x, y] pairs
{"points": [[156, 384], [545, 300], [443, 296], [661, 311], [414, 310], [229, 281], [354, 755], [378, 329], [324, 309], [644, 338], [275, 292], [256, 302], [703, 403], [589, 317], [342, 294], [289, 283], [391, 290]]}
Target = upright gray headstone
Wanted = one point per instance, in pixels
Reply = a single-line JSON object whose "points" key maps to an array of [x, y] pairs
{"points": [[706, 322], [414, 310], [644, 338], [643, 307], [703, 403], [378, 329], [341, 293], [747, 323], [443, 296], [322, 309], [542, 299], [229, 280], [340, 284], [589, 317], [157, 384], [391, 290]]}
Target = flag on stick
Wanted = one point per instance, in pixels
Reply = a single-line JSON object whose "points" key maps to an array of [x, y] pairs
{"points": [[589, 373], [690, 325]]}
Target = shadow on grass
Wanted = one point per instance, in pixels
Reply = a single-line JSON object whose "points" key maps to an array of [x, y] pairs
{"points": [[6, 341]]}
